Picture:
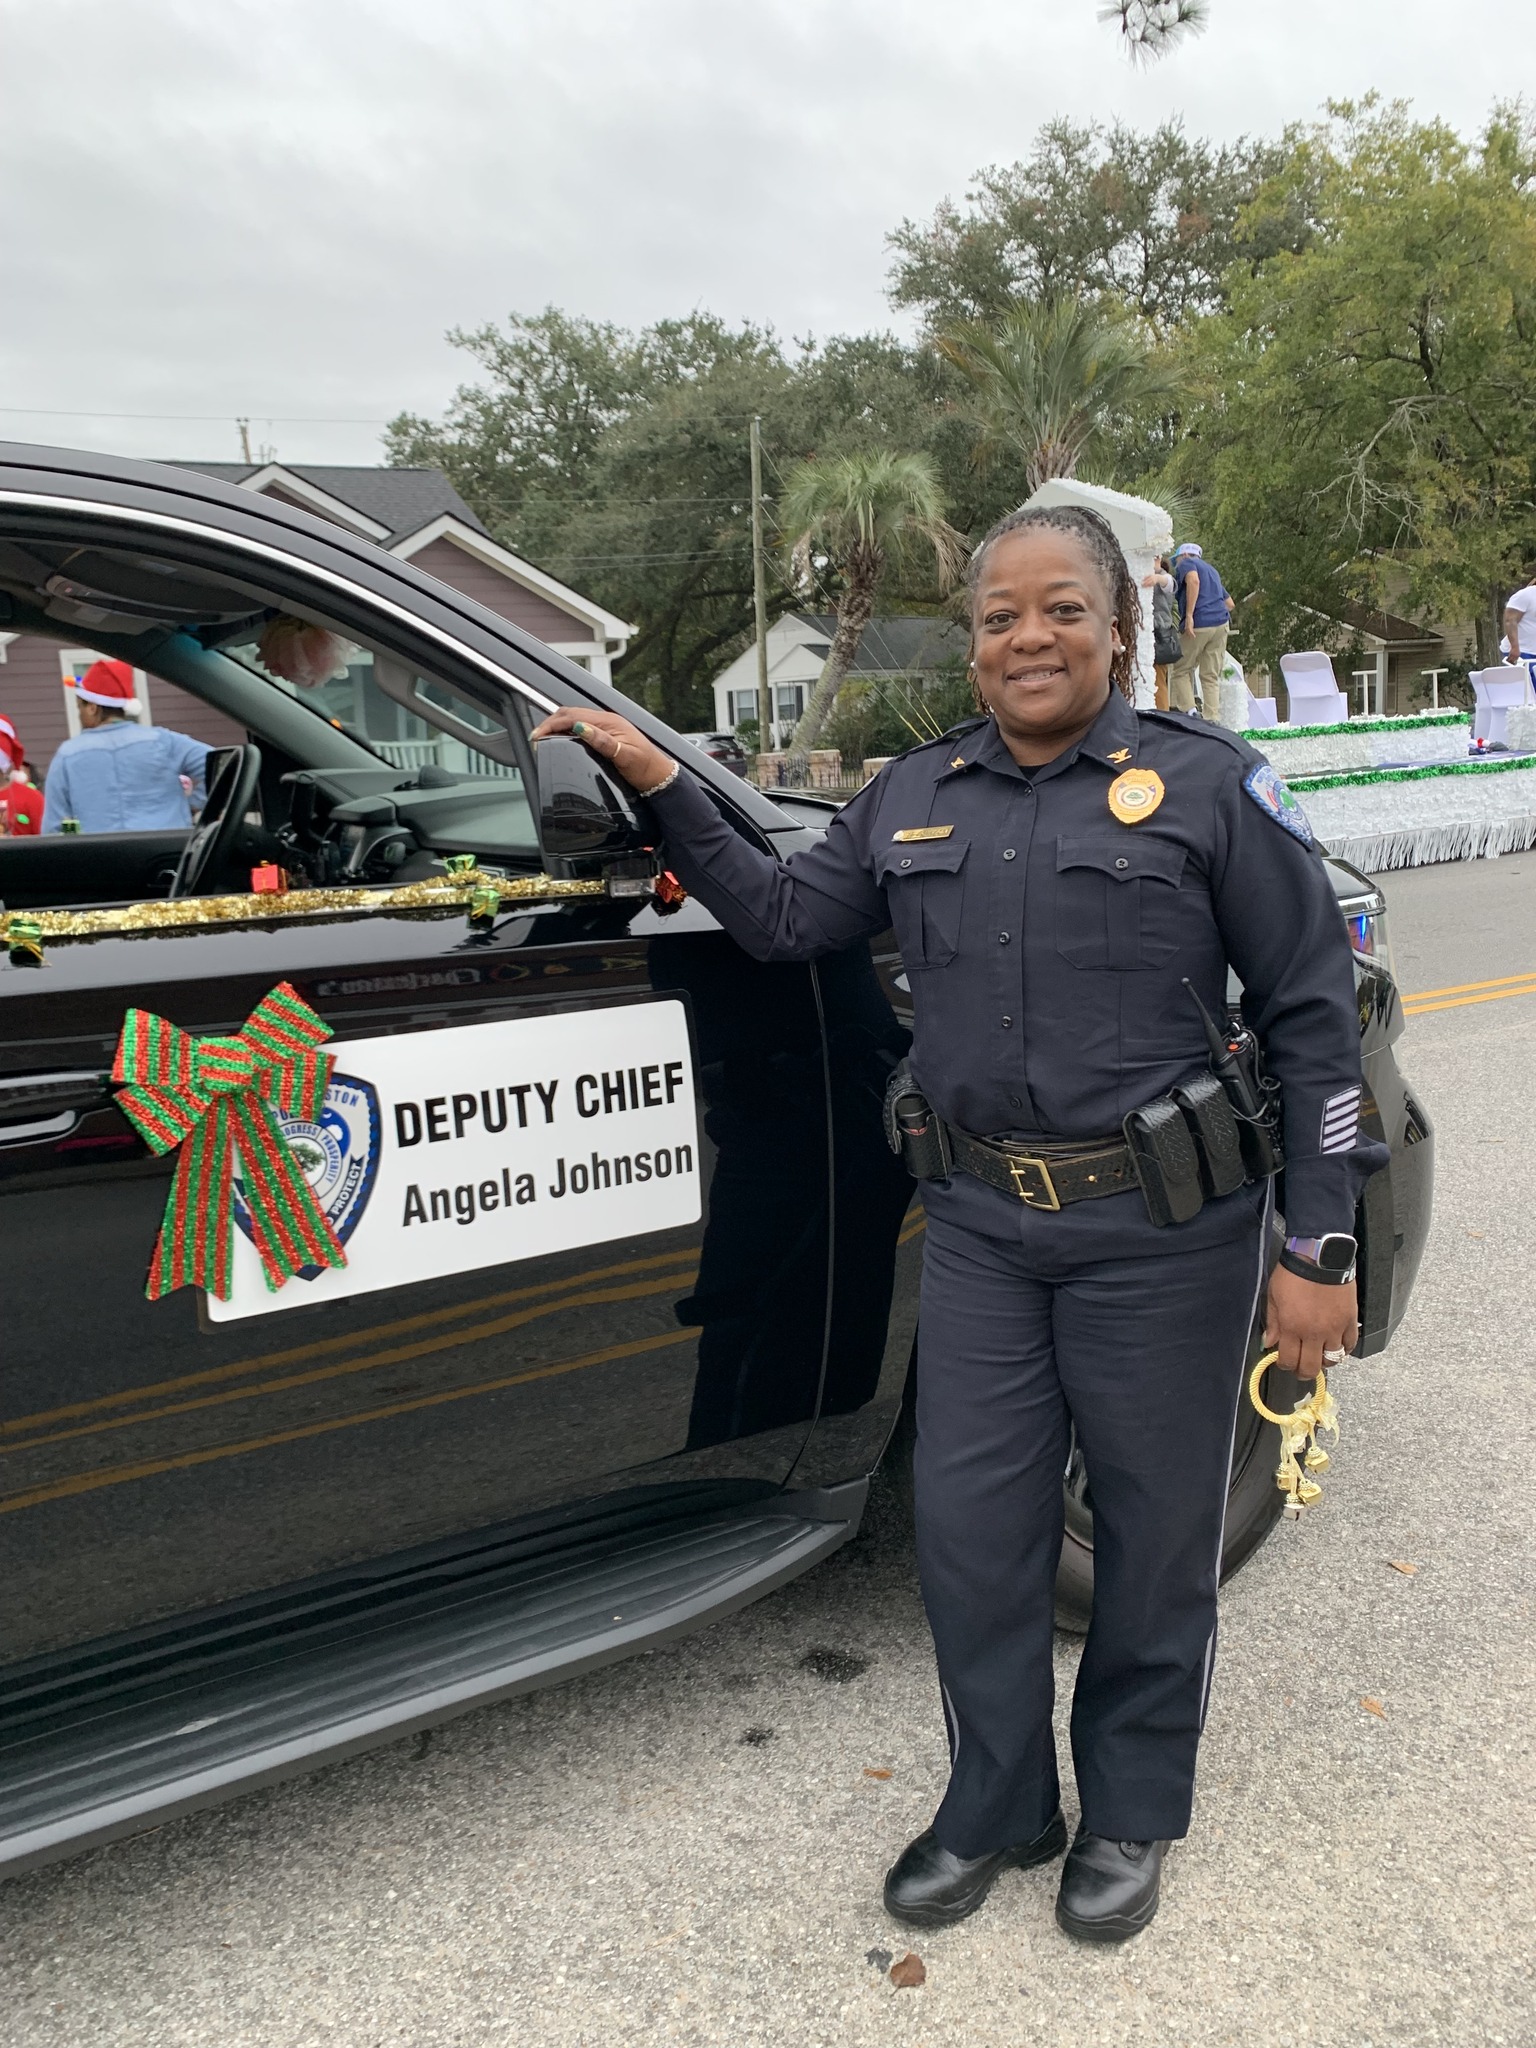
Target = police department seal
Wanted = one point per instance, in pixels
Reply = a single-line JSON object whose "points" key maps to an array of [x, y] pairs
{"points": [[339, 1152]]}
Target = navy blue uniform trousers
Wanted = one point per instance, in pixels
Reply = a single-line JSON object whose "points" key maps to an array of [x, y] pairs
{"points": [[1033, 1324]]}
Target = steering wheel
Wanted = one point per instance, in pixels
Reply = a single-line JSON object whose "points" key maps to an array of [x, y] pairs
{"points": [[230, 796]]}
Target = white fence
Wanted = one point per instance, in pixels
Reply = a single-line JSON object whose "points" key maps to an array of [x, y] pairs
{"points": [[443, 752]]}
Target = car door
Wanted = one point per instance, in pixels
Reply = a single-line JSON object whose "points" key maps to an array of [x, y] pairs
{"points": [[537, 1318]]}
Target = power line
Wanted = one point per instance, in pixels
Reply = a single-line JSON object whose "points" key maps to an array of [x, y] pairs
{"points": [[270, 419]]}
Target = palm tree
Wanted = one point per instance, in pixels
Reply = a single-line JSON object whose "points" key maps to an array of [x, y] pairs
{"points": [[1050, 379], [858, 514]]}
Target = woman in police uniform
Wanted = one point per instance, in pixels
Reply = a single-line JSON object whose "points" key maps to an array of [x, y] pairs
{"points": [[1054, 874]]}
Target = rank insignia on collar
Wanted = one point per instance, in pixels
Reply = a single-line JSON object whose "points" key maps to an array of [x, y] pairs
{"points": [[1120, 754], [1135, 795], [913, 832], [958, 761]]}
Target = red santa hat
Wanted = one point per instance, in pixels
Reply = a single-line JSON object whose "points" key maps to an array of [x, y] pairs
{"points": [[110, 684], [10, 746]]}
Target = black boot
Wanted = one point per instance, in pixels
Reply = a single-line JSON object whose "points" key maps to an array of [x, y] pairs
{"points": [[1108, 1889], [929, 1886]]}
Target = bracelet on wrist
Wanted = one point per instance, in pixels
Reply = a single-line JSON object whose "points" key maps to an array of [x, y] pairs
{"points": [[666, 782]]}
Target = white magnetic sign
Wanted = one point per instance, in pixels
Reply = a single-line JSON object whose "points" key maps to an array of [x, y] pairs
{"points": [[441, 1151]]}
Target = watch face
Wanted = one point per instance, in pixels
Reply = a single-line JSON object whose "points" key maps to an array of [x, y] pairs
{"points": [[1336, 1254]]}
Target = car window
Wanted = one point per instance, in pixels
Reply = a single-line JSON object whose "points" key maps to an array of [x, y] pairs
{"points": [[219, 661]]}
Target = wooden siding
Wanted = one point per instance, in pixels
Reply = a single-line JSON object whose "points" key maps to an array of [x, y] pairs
{"points": [[451, 564], [32, 697]]}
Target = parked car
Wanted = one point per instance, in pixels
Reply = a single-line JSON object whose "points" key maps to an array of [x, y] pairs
{"points": [[630, 1295], [723, 747]]}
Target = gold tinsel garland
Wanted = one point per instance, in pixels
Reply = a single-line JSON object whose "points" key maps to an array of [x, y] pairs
{"points": [[469, 889]]}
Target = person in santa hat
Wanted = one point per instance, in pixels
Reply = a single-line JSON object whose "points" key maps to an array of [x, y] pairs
{"points": [[117, 775], [21, 801]]}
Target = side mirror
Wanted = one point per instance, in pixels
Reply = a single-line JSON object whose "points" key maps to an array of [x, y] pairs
{"points": [[584, 814]]}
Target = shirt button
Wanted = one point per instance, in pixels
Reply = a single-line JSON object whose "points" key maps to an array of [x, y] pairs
{"points": [[1014, 1102], [1007, 1021], [906, 863], [1002, 938], [1007, 853], [1122, 863]]}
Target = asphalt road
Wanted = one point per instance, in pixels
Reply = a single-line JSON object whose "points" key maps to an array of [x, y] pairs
{"points": [[688, 1848]]}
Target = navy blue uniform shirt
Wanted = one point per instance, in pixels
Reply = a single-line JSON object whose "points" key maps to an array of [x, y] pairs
{"points": [[1046, 941]]}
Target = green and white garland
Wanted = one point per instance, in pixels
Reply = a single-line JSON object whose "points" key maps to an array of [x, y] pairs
{"points": [[1412, 817], [1431, 720], [1362, 743]]}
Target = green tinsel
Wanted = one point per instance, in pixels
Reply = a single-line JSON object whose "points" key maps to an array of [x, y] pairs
{"points": [[1430, 769], [1355, 726]]}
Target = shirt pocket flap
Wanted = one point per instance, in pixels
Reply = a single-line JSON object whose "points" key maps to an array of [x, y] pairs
{"points": [[1124, 860], [920, 857]]}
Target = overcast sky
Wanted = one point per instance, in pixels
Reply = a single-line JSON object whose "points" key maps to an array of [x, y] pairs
{"points": [[277, 207]]}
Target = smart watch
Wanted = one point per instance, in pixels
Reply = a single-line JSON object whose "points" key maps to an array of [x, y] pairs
{"points": [[1329, 1259]]}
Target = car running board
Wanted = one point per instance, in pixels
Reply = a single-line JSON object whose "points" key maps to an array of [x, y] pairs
{"points": [[123, 1736]]}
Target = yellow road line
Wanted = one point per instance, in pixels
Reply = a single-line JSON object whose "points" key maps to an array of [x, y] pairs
{"points": [[320, 1347], [118, 1475], [590, 1298], [1495, 995], [1461, 988]]}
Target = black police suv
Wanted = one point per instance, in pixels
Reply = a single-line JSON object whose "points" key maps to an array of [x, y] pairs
{"points": [[630, 1294]]}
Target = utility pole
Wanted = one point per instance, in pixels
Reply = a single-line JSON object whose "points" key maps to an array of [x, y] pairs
{"points": [[245, 438], [760, 594]]}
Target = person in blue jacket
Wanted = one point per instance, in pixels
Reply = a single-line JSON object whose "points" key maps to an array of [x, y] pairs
{"points": [[116, 775], [1054, 872]]}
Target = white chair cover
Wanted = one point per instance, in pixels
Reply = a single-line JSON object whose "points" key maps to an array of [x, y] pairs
{"points": [[1316, 698], [1496, 691]]}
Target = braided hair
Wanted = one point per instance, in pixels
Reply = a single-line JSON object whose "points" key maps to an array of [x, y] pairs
{"points": [[1097, 537]]}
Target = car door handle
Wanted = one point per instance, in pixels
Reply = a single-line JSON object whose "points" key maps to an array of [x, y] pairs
{"points": [[33, 1104]]}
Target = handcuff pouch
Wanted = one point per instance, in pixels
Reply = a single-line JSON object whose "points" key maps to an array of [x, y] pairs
{"points": [[1167, 1165], [1217, 1134]]}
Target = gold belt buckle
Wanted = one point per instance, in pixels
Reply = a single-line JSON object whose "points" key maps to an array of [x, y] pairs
{"points": [[1017, 1162]]}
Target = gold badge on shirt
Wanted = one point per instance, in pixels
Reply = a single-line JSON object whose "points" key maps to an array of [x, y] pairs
{"points": [[1135, 795], [912, 832]]}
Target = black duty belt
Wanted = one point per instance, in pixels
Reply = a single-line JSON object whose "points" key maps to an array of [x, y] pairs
{"points": [[1051, 1177]]}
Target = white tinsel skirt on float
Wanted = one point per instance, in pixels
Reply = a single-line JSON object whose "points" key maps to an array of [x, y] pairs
{"points": [[1413, 817]]}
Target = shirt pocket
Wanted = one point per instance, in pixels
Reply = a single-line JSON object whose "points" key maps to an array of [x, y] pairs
{"points": [[924, 884], [1117, 901]]}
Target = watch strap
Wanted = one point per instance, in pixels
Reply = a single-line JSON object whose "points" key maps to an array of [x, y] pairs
{"points": [[1308, 1269]]}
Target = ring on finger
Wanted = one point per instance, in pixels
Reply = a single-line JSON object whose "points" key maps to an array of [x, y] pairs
{"points": [[1335, 1357]]}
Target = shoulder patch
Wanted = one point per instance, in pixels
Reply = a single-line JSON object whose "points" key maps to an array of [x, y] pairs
{"points": [[1264, 784]]}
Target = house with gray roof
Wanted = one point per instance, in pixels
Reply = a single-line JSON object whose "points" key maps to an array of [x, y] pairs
{"points": [[418, 515], [413, 513]]}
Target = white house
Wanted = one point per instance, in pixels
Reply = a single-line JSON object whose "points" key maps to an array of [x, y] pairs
{"points": [[798, 645]]}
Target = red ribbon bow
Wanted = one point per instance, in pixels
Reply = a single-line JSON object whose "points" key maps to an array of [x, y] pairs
{"points": [[214, 1096]]}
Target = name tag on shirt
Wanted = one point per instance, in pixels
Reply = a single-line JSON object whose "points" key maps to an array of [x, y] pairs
{"points": [[922, 832]]}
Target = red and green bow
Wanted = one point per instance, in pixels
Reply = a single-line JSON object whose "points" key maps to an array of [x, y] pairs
{"points": [[217, 1096]]}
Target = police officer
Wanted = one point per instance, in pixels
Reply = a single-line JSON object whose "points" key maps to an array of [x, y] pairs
{"points": [[1054, 872]]}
